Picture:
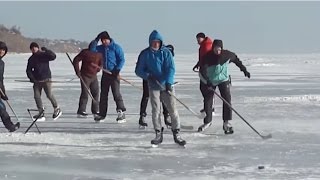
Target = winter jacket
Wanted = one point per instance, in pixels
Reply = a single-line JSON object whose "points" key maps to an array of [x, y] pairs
{"points": [[88, 58], [38, 65], [113, 56], [2, 64], [214, 68], [205, 47], [1, 75], [158, 64]]}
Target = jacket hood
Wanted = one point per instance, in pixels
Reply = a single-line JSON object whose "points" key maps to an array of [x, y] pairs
{"points": [[155, 35]]}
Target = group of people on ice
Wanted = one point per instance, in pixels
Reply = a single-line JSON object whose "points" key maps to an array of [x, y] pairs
{"points": [[155, 65]]}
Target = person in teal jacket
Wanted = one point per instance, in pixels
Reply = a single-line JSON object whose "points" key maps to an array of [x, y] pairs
{"points": [[155, 64], [113, 61], [214, 72]]}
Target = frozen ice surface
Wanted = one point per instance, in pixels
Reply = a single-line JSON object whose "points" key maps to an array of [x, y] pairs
{"points": [[281, 98]]}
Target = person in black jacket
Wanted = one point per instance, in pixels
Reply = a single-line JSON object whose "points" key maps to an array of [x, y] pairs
{"points": [[38, 71], [214, 73], [3, 112]]}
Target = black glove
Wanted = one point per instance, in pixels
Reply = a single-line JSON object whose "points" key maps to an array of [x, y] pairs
{"points": [[196, 67], [246, 74], [209, 85], [168, 87], [44, 49], [5, 97], [115, 72]]}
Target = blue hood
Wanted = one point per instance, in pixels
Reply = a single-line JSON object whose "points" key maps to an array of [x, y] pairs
{"points": [[155, 35]]}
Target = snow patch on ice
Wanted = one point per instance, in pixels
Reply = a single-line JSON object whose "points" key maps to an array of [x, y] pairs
{"points": [[264, 65], [290, 99]]}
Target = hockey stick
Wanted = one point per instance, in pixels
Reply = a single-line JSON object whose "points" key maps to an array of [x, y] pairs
{"points": [[108, 72], [262, 136], [81, 79], [21, 80], [2, 93], [183, 104]]}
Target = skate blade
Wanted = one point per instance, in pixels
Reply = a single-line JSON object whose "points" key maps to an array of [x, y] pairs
{"points": [[154, 145], [98, 121], [81, 117], [181, 146], [142, 127], [121, 121], [228, 132], [56, 118]]}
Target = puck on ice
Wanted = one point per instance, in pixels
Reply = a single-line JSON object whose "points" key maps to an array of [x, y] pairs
{"points": [[260, 167]]}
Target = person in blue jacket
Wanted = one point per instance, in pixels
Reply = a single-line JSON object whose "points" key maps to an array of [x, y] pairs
{"points": [[113, 61], [145, 99], [155, 64]]}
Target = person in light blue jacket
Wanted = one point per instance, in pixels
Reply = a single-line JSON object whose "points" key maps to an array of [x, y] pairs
{"points": [[113, 61], [155, 64]]}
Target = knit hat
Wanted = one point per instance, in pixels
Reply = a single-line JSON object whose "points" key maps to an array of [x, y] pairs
{"points": [[4, 47], [34, 44], [218, 43], [201, 35], [105, 35]]}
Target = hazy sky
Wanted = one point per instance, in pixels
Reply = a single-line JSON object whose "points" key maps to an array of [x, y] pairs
{"points": [[245, 27]]}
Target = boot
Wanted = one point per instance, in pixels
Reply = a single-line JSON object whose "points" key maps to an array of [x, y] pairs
{"points": [[121, 117], [14, 127], [98, 118], [56, 113], [177, 138], [227, 127], [142, 122], [204, 126], [158, 139]]}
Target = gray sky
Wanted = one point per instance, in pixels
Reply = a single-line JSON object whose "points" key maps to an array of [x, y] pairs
{"points": [[245, 27]]}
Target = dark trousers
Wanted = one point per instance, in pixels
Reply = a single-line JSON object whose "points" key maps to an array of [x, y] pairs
{"points": [[203, 90], [224, 89], [93, 85], [37, 89], [108, 81], [5, 116], [145, 99]]}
